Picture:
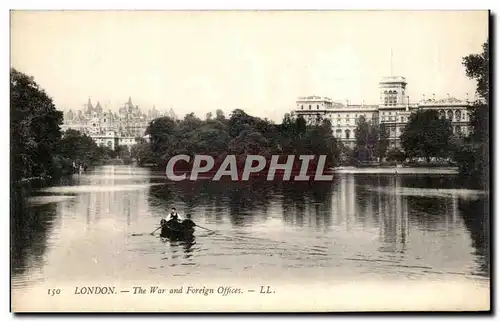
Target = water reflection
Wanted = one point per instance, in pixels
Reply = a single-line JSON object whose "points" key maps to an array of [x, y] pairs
{"points": [[30, 227], [357, 225], [476, 217]]}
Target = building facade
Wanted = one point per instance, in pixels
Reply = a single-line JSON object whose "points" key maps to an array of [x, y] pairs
{"points": [[110, 129], [393, 110]]}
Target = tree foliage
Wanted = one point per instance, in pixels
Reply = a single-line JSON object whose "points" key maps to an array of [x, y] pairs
{"points": [[241, 134], [38, 147], [473, 156], [371, 140], [34, 127], [427, 135]]}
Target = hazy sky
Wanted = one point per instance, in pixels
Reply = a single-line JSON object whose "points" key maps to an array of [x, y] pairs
{"points": [[257, 61]]}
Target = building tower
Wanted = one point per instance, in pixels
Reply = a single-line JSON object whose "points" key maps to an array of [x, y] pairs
{"points": [[392, 91]]}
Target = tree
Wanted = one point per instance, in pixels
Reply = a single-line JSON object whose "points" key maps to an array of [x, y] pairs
{"points": [[427, 135], [161, 132], [141, 153], [382, 142], [81, 149], [473, 157], [477, 68], [371, 142], [34, 128], [219, 115], [123, 153], [367, 137]]}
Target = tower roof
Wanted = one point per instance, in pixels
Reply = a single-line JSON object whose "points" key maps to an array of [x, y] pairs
{"points": [[393, 80]]}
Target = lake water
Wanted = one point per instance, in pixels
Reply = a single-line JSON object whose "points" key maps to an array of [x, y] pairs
{"points": [[95, 228]]}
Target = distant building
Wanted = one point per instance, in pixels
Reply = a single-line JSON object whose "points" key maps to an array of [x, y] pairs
{"points": [[111, 129], [393, 110]]}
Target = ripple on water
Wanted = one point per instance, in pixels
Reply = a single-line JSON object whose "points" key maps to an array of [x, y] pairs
{"points": [[98, 188], [428, 192], [41, 200]]}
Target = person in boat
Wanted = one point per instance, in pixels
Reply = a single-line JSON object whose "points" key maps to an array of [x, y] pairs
{"points": [[188, 223], [174, 222], [174, 215], [164, 228]]}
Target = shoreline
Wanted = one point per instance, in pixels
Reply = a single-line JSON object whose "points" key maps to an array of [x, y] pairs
{"points": [[396, 170]]}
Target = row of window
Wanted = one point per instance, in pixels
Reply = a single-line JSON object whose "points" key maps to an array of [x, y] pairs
{"points": [[392, 133], [449, 114], [302, 107], [393, 119]]}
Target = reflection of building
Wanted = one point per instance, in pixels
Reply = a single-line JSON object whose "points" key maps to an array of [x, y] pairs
{"points": [[393, 110], [111, 129]]}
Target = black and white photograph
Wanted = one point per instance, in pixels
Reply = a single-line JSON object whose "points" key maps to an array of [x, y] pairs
{"points": [[250, 161]]}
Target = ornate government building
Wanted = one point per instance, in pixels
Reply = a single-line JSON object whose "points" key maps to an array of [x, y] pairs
{"points": [[111, 129], [393, 110]]}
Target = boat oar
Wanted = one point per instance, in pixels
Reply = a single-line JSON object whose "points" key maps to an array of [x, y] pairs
{"points": [[155, 230], [204, 228]]}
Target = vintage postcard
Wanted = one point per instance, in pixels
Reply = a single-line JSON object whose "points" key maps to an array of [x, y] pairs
{"points": [[249, 161]]}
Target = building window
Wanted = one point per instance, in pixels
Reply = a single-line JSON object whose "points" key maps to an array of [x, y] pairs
{"points": [[301, 107], [457, 129], [317, 107], [347, 134], [450, 115], [441, 114], [390, 113], [458, 115], [309, 106], [347, 115], [338, 115], [104, 120]]}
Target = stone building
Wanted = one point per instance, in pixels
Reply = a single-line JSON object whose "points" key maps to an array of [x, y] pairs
{"points": [[109, 128], [393, 110]]}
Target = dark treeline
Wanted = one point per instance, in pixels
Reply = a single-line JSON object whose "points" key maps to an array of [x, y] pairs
{"points": [[239, 134], [39, 149]]}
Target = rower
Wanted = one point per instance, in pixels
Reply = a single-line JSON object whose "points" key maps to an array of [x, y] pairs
{"points": [[188, 223], [174, 215]]}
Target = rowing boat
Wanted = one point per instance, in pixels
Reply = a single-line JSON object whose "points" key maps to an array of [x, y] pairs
{"points": [[175, 230]]}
